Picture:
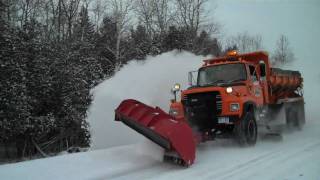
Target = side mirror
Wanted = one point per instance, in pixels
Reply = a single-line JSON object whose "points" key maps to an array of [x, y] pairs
{"points": [[262, 69], [192, 78]]}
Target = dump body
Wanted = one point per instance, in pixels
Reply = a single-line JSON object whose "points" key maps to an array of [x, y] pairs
{"points": [[283, 83]]}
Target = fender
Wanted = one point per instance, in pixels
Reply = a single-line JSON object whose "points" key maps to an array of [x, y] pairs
{"points": [[248, 106]]}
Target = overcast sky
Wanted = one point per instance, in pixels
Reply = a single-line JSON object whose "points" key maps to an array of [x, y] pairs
{"points": [[299, 20]]}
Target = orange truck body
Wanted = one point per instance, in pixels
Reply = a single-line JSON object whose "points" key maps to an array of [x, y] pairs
{"points": [[277, 85]]}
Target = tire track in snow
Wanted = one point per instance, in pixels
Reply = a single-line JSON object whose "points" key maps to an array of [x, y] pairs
{"points": [[257, 161], [203, 173], [240, 167], [126, 172], [273, 158], [208, 171]]}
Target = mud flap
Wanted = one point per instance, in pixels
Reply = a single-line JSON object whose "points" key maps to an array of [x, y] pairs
{"points": [[159, 127]]}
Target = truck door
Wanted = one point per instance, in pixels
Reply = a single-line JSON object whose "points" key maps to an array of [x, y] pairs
{"points": [[255, 86]]}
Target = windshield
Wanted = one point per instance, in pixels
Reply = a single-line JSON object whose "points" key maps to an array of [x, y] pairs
{"points": [[225, 73]]}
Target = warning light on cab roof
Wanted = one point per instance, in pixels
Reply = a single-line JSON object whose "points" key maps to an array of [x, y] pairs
{"points": [[232, 53]]}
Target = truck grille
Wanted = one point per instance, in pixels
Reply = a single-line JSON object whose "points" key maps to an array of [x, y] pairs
{"points": [[219, 103], [201, 109]]}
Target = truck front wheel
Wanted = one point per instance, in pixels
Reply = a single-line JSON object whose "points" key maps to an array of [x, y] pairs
{"points": [[246, 130]]}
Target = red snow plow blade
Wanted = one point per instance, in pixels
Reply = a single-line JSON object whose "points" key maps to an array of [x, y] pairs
{"points": [[159, 127]]}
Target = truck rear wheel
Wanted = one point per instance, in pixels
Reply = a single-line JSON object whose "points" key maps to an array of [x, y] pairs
{"points": [[246, 130]]}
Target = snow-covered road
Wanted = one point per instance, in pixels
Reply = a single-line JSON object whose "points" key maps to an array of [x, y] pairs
{"points": [[297, 156]]}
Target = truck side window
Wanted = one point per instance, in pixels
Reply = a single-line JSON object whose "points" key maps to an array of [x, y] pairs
{"points": [[253, 73]]}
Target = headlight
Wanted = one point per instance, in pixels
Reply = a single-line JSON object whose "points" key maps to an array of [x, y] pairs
{"points": [[229, 90], [234, 107], [176, 87], [173, 112]]}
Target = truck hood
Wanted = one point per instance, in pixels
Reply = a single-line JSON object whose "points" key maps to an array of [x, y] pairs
{"points": [[203, 89], [221, 87]]}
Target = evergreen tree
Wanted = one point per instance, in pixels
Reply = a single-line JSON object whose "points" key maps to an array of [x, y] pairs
{"points": [[175, 39], [204, 45], [140, 42], [14, 99], [106, 43], [2, 9], [83, 29], [108, 32]]}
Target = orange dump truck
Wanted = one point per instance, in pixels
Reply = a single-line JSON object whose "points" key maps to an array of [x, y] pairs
{"points": [[234, 96]]}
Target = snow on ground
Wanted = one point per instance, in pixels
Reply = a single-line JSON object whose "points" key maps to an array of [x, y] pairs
{"points": [[297, 156]]}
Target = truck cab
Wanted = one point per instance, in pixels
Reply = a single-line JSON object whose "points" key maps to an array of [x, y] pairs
{"points": [[224, 94]]}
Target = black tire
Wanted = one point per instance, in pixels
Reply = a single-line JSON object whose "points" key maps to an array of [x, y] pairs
{"points": [[246, 131]]}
